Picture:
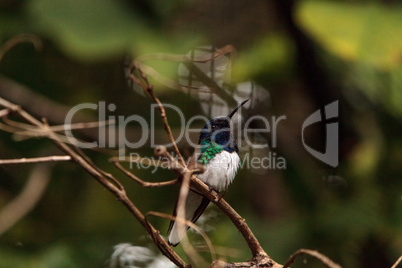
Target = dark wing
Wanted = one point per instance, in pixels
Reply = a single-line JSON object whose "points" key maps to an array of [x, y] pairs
{"points": [[201, 208]]}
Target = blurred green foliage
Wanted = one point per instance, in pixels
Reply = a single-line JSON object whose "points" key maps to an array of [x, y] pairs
{"points": [[95, 30], [365, 33], [368, 35], [355, 219]]}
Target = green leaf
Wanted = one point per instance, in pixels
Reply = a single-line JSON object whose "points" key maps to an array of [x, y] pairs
{"points": [[97, 29], [272, 53], [369, 33], [87, 29]]}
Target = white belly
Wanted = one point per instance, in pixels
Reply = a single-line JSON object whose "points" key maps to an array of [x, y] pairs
{"points": [[221, 170]]}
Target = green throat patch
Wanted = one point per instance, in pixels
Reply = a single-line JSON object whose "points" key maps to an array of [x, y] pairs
{"points": [[208, 151]]}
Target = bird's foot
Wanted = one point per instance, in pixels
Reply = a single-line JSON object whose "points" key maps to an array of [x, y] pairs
{"points": [[221, 195], [210, 188]]}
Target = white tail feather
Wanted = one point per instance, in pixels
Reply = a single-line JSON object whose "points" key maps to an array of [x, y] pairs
{"points": [[192, 203]]}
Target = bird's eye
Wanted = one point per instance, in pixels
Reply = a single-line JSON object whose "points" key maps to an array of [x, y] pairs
{"points": [[213, 126]]}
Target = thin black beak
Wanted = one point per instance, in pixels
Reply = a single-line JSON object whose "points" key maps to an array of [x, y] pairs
{"points": [[237, 108]]}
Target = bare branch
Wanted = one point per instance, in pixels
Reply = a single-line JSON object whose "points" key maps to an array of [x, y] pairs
{"points": [[84, 125], [167, 126], [324, 259], [107, 180], [4, 112], [20, 38], [250, 264], [181, 216], [149, 162], [54, 158], [149, 89], [192, 225], [141, 182], [255, 247], [397, 262]]}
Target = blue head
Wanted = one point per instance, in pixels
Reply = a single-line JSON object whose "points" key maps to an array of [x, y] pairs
{"points": [[218, 130]]}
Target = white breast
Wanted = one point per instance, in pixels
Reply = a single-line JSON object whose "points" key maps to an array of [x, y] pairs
{"points": [[221, 170]]}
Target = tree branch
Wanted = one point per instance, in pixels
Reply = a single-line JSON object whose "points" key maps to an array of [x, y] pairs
{"points": [[324, 259], [141, 182], [54, 158], [102, 178], [397, 262]]}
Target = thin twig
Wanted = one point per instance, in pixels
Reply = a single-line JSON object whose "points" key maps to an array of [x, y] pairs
{"points": [[141, 182], [397, 262], [20, 38], [167, 127], [148, 162], [149, 89], [4, 112], [324, 259], [83, 125], [181, 216], [54, 158]]}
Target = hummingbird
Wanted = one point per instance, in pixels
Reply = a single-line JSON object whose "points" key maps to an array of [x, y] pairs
{"points": [[219, 154]]}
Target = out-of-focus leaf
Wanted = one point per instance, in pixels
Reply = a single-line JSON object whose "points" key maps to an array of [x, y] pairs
{"points": [[91, 30], [368, 33], [395, 94], [271, 55], [87, 29]]}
